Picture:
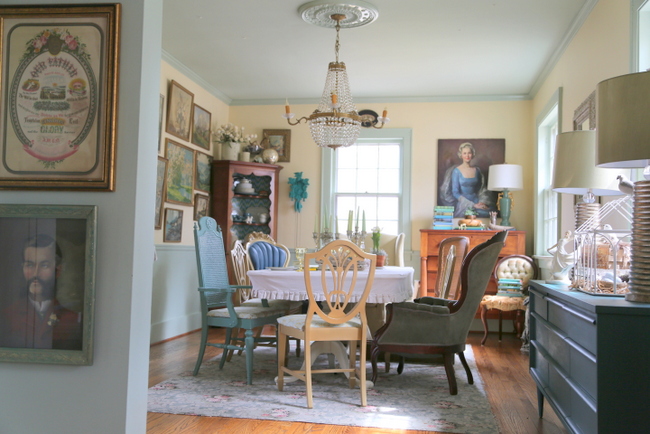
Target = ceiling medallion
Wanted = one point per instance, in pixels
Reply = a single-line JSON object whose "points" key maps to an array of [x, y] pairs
{"points": [[356, 14]]}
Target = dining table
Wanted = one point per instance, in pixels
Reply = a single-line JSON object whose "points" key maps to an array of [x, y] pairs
{"points": [[390, 285]]}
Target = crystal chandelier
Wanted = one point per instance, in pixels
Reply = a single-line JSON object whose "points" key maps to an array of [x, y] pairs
{"points": [[336, 121]]}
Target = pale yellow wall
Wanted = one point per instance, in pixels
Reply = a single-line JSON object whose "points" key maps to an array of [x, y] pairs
{"points": [[600, 50], [429, 122], [220, 113]]}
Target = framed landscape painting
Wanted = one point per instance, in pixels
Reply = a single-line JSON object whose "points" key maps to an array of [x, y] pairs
{"points": [[161, 173], [201, 206], [48, 254], [201, 127], [173, 225], [179, 111], [280, 140], [203, 166], [180, 173], [59, 85]]}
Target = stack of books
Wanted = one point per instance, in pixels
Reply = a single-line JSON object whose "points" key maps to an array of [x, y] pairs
{"points": [[510, 287], [443, 217]]}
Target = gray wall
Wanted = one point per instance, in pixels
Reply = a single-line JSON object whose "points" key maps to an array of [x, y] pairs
{"points": [[111, 395]]}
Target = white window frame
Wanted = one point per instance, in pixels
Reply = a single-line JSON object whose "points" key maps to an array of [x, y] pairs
{"points": [[401, 135], [546, 201]]}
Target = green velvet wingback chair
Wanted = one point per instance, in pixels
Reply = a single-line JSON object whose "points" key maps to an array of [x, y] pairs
{"points": [[429, 326]]}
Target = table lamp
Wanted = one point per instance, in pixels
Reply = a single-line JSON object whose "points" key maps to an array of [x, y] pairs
{"points": [[575, 172], [623, 138], [505, 178]]}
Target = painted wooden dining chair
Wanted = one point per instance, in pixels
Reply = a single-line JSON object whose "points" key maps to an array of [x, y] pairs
{"points": [[241, 266], [342, 318], [216, 297]]}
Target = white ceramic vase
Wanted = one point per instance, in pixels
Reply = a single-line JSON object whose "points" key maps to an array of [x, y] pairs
{"points": [[230, 150]]}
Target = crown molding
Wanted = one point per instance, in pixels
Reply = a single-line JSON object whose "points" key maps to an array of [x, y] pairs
{"points": [[561, 48], [195, 77]]}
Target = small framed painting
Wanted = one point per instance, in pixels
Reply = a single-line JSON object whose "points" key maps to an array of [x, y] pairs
{"points": [[201, 206], [180, 173], [202, 164], [179, 111], [173, 225], [48, 256], [201, 127], [280, 140], [161, 173]]}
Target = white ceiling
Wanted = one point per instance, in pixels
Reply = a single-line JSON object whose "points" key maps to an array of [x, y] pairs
{"points": [[261, 51]]}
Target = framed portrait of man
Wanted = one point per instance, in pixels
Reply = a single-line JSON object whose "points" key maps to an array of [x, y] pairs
{"points": [[47, 292], [463, 171]]}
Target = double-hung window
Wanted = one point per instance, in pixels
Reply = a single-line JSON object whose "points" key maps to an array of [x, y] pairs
{"points": [[371, 177]]}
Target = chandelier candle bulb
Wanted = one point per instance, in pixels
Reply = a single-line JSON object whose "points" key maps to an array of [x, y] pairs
{"points": [[350, 221], [363, 228], [385, 113]]}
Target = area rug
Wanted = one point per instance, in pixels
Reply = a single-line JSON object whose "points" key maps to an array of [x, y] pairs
{"points": [[418, 399]]}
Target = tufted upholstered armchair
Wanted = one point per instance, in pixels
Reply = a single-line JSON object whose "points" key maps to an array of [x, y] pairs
{"points": [[510, 267], [430, 325]]}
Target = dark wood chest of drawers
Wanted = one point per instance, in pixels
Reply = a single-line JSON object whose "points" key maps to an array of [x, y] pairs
{"points": [[588, 356]]}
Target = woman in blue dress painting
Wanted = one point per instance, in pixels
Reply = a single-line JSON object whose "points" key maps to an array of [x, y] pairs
{"points": [[464, 186]]}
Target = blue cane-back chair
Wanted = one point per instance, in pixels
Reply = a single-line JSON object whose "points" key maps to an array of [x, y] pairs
{"points": [[216, 294]]}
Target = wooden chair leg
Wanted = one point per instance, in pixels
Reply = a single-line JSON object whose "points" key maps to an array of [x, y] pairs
{"points": [[204, 340], [500, 324], [451, 375], [470, 377], [374, 353], [224, 355], [308, 360], [282, 354], [387, 362], [250, 345], [484, 310]]}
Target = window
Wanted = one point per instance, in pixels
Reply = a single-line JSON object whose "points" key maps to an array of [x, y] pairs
{"points": [[546, 205], [372, 177]]}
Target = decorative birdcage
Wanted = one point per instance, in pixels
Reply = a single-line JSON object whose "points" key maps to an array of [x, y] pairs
{"points": [[602, 254]]}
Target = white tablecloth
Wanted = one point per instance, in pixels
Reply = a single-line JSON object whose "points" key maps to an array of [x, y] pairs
{"points": [[391, 284]]}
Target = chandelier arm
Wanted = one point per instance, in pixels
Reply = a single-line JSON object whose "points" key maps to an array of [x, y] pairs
{"points": [[304, 118]]}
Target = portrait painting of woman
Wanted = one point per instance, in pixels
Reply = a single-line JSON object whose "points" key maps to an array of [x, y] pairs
{"points": [[463, 174]]}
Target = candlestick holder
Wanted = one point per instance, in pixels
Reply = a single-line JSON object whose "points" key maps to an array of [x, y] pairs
{"points": [[358, 237], [321, 239]]}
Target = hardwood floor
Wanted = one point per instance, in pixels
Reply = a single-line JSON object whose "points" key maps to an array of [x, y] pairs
{"points": [[503, 367]]}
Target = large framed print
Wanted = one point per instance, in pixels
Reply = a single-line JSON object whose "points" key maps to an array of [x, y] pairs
{"points": [[47, 290], [58, 96], [180, 173]]}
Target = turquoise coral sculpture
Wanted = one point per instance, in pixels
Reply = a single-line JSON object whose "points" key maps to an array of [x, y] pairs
{"points": [[298, 191]]}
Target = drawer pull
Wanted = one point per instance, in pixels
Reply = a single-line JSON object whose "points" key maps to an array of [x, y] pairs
{"points": [[580, 315]]}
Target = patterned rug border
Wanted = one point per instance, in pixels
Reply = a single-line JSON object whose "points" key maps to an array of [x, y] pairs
{"points": [[418, 399]]}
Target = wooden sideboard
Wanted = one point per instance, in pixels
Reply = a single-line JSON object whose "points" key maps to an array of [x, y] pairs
{"points": [[588, 359], [430, 240]]}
